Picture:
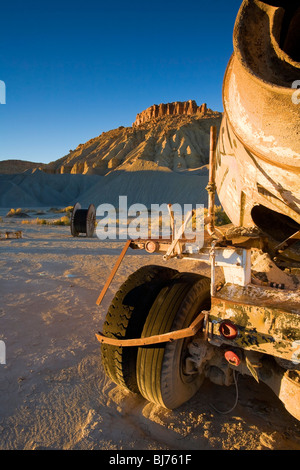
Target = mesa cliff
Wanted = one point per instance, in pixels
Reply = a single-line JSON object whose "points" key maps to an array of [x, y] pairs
{"points": [[172, 136], [167, 109]]}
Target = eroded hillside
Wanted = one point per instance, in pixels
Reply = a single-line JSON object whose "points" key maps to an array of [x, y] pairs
{"points": [[171, 141]]}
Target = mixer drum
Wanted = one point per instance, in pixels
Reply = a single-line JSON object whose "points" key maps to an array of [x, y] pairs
{"points": [[258, 152]]}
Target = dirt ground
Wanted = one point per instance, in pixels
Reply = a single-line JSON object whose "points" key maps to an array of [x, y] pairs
{"points": [[54, 393]]}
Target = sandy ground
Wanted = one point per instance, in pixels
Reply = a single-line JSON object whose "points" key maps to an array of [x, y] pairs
{"points": [[54, 394]]}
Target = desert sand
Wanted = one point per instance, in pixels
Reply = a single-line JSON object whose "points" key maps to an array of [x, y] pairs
{"points": [[54, 393]]}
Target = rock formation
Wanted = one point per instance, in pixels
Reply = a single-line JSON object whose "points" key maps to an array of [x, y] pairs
{"points": [[163, 159], [163, 109], [172, 136], [173, 142]]}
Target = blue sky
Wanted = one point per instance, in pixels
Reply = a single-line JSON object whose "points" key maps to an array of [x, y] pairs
{"points": [[75, 69]]}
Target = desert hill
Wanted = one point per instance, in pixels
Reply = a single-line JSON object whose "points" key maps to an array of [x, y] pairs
{"points": [[18, 166], [172, 136], [161, 158]]}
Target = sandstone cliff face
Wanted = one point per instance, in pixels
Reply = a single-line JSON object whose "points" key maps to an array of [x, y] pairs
{"points": [[173, 136], [166, 109]]}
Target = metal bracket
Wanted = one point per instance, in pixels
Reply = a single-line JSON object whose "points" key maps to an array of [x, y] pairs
{"points": [[156, 339]]}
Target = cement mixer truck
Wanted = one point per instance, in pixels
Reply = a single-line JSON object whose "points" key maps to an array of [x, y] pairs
{"points": [[165, 330]]}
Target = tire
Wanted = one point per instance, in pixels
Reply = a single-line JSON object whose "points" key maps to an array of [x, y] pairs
{"points": [[160, 368], [125, 320]]}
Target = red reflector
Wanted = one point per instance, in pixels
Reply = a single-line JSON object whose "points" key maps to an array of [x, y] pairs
{"points": [[228, 330], [232, 358]]}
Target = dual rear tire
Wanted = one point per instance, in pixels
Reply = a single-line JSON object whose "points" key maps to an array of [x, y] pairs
{"points": [[155, 300], [125, 320]]}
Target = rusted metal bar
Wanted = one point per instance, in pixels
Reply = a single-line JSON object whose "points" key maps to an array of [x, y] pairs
{"points": [[113, 272], [175, 247], [211, 187], [288, 242], [162, 243], [156, 339]]}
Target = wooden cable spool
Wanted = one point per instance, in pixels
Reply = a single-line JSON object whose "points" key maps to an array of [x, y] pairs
{"points": [[83, 220]]}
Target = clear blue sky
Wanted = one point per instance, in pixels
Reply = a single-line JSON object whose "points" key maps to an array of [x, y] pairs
{"points": [[74, 69]]}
